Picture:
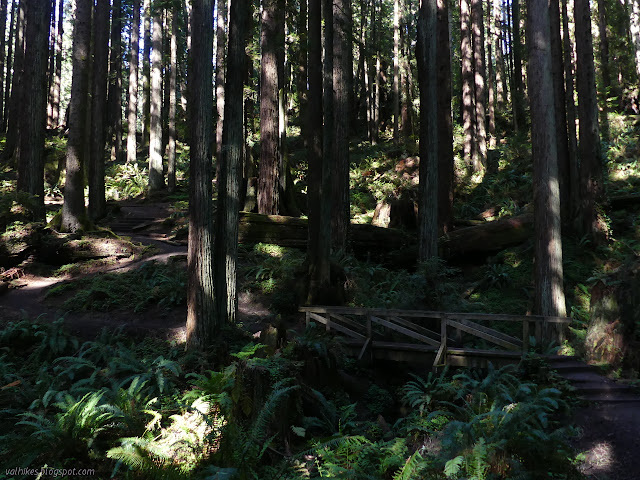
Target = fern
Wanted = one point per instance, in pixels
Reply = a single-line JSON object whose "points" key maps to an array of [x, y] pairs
{"points": [[412, 469]]}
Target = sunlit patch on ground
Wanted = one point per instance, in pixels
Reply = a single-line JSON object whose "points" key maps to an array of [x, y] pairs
{"points": [[598, 459]]}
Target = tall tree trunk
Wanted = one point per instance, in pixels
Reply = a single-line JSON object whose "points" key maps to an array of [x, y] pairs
{"points": [[3, 40], [477, 26], [605, 69], [445, 121], [33, 108], [589, 145], [562, 145], [56, 74], [156, 176], [468, 108], [396, 69], [220, 51], [490, 78], [406, 109], [519, 119], [227, 217], [10, 66], [202, 321], [342, 82], [301, 84], [549, 294], [132, 111], [634, 23], [73, 211], [146, 72], [427, 78], [268, 181], [97, 201], [171, 141], [318, 246], [328, 133], [13, 117], [574, 175], [501, 92], [115, 82]]}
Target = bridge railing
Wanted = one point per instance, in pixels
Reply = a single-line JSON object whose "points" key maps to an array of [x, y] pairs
{"points": [[411, 323]]}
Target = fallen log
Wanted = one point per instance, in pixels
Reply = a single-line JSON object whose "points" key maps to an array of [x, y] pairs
{"points": [[374, 241], [623, 201]]}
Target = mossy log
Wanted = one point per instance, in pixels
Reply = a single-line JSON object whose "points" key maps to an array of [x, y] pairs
{"points": [[371, 240]]}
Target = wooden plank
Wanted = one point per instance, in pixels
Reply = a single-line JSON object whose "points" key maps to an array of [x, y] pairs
{"points": [[365, 347], [424, 331], [485, 336], [442, 351], [525, 337], [414, 347], [482, 353], [404, 331], [491, 331], [348, 321], [336, 326]]}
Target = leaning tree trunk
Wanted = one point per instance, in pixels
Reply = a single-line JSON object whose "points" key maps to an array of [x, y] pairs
{"points": [[73, 211], [33, 108], [156, 176], [202, 322], [227, 215], [549, 294], [97, 201], [427, 78], [342, 68], [132, 109]]}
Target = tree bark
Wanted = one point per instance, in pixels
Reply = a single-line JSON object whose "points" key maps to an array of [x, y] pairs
{"points": [[301, 83], [268, 179], [171, 141], [468, 108], [396, 69], [146, 72], [132, 112], [445, 121], [501, 92], [73, 211], [97, 201], [572, 144], [491, 84], [318, 246], [10, 66], [605, 69], [156, 176], [477, 26], [202, 321], [589, 145], [3, 40], [33, 109], [115, 82], [57, 78], [427, 78], [342, 83], [226, 244], [549, 294], [220, 50], [519, 119], [13, 118]]}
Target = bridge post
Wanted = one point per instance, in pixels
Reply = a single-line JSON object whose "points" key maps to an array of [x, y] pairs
{"points": [[525, 337]]}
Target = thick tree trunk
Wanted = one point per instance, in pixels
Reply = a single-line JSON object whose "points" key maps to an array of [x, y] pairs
{"points": [[519, 119], [549, 294], [156, 176], [33, 108], [268, 179], [97, 201], [226, 245], [328, 134], [146, 72], [477, 26], [396, 69], [301, 77], [13, 117], [445, 121], [132, 109], [572, 143], [342, 68], [115, 82], [56, 83], [589, 146], [557, 68], [73, 211], [491, 85], [501, 92], [171, 141], [202, 321], [605, 69], [427, 78], [10, 66], [220, 51], [468, 108], [318, 246]]}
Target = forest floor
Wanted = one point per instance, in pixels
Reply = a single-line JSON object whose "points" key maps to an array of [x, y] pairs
{"points": [[608, 432]]}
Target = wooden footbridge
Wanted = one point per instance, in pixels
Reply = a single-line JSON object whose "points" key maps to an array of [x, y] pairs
{"points": [[456, 339]]}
